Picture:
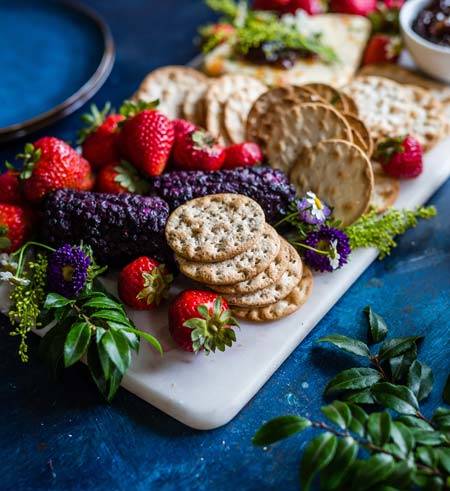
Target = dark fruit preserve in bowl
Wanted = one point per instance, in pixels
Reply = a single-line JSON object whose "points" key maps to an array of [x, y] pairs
{"points": [[433, 23], [276, 54]]}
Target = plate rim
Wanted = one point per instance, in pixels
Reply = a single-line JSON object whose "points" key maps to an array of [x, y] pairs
{"points": [[81, 95]]}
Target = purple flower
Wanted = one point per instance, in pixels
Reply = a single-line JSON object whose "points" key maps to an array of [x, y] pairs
{"points": [[335, 246], [68, 271], [311, 210]]}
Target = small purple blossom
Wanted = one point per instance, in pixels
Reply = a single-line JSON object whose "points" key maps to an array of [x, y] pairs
{"points": [[68, 270], [312, 210], [333, 242]]}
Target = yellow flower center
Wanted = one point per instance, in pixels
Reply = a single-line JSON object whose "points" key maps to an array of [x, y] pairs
{"points": [[67, 273]]}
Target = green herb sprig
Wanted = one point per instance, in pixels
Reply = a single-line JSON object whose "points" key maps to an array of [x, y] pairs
{"points": [[395, 449]]}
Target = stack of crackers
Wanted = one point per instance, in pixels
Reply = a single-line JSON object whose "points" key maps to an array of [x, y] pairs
{"points": [[223, 242]]}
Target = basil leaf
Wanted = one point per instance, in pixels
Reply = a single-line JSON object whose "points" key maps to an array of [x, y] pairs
{"points": [[111, 315], [117, 349], [397, 346], [402, 437], [420, 380], [396, 397], [373, 471], [345, 343], [56, 301], [338, 413], [335, 472], [400, 364], [379, 428], [318, 454], [280, 428], [353, 378], [441, 418], [446, 393], [377, 327], [77, 342]]}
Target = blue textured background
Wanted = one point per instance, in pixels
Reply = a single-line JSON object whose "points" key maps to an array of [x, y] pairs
{"points": [[60, 436]]}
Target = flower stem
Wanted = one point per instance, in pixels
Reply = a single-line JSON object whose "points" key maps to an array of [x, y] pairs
{"points": [[21, 253], [318, 251]]}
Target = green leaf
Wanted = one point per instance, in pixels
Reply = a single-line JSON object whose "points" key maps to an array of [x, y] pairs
{"points": [[402, 437], [77, 342], [131, 337], [379, 428], [280, 428], [359, 397], [51, 347], [353, 378], [105, 361], [345, 343], [444, 458], [425, 437], [400, 364], [441, 418], [414, 422], [318, 454], [102, 302], [114, 383], [56, 301], [118, 350], [149, 338], [377, 327], [359, 419], [420, 380], [400, 477], [446, 393], [108, 388], [396, 346], [396, 397], [111, 315], [338, 413], [372, 471], [335, 472], [428, 456]]}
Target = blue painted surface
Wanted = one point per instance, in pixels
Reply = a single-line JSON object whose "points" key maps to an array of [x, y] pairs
{"points": [[42, 66], [60, 436]]}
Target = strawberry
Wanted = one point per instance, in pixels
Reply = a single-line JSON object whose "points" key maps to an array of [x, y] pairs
{"points": [[144, 283], [274, 5], [201, 320], [10, 191], [182, 127], [401, 157], [147, 137], [312, 7], [120, 177], [100, 138], [15, 227], [355, 7], [198, 150], [242, 155], [51, 164], [382, 48]]}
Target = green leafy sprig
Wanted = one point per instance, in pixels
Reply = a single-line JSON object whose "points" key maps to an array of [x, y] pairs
{"points": [[402, 450], [379, 231]]}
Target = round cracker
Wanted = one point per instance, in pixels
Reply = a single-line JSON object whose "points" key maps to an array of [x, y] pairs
{"points": [[242, 267], [218, 93], [194, 109], [215, 227], [274, 292], [329, 94], [360, 133], [386, 189], [170, 85], [301, 128], [340, 173], [296, 298], [349, 104], [262, 280]]}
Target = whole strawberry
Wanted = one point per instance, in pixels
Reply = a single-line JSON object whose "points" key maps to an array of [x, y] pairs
{"points": [[201, 320], [120, 177], [182, 127], [382, 48], [198, 150], [312, 7], [242, 155], [355, 7], [10, 191], [100, 137], [274, 5], [144, 283], [15, 227], [51, 164], [147, 137], [401, 157]]}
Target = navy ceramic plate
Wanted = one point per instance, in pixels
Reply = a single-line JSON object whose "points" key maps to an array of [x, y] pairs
{"points": [[54, 56]]}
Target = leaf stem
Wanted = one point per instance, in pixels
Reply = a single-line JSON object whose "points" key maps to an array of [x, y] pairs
{"points": [[376, 362]]}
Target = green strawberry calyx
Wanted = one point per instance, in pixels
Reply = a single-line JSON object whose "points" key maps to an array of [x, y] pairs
{"points": [[156, 285], [212, 329], [29, 157], [93, 120], [128, 177], [389, 147], [203, 139], [131, 108], [5, 242]]}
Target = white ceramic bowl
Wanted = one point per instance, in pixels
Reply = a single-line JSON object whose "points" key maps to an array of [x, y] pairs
{"points": [[431, 58]]}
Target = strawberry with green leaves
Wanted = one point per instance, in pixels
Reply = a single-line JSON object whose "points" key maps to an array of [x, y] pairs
{"points": [[201, 320], [10, 190], [15, 227], [100, 137], [401, 157], [144, 283], [120, 177], [147, 137], [50, 164]]}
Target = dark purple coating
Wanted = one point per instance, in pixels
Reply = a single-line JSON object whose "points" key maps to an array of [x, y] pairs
{"points": [[269, 187], [118, 227]]}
